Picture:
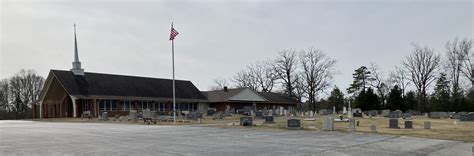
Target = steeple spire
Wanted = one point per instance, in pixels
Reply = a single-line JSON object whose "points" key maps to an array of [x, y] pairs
{"points": [[76, 65]]}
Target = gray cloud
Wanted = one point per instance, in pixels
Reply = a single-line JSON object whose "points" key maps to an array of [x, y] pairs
{"points": [[219, 38]]}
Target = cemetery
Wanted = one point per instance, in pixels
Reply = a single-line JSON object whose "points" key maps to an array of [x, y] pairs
{"points": [[431, 125]]}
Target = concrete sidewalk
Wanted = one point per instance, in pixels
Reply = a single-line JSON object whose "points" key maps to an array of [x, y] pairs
{"points": [[50, 138]]}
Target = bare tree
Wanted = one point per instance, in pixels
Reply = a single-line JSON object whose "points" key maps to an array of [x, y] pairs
{"points": [[399, 77], [285, 66], [422, 65], [463, 49], [243, 79], [455, 60], [378, 82], [262, 72], [318, 71], [4, 99], [219, 83], [25, 87]]}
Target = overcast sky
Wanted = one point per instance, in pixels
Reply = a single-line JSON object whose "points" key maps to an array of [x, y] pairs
{"points": [[218, 39]]}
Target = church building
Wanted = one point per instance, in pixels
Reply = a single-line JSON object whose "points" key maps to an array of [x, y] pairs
{"points": [[75, 92]]}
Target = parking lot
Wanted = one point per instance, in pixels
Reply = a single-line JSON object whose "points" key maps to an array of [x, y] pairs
{"points": [[57, 138]]}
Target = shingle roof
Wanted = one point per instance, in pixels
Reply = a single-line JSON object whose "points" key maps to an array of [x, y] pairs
{"points": [[99, 84], [222, 96]]}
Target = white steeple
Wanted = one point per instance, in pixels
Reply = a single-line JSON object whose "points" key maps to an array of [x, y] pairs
{"points": [[76, 65]]}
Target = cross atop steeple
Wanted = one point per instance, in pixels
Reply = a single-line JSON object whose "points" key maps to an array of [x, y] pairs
{"points": [[76, 65]]}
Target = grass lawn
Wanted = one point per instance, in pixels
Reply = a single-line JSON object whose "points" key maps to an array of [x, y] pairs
{"points": [[448, 129]]}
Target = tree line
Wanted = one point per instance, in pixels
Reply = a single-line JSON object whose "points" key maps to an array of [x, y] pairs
{"points": [[18, 94], [424, 81]]}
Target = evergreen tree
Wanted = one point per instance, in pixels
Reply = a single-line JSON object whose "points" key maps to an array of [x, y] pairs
{"points": [[395, 100], [441, 96], [336, 98], [409, 100], [367, 100], [361, 80]]}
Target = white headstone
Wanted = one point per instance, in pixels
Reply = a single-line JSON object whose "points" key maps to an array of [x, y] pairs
{"points": [[344, 110], [333, 109], [285, 112], [311, 113]]}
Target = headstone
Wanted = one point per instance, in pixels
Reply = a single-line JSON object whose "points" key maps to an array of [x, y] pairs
{"points": [[467, 117], [408, 124], [323, 112], [406, 115], [104, 116], [396, 114], [435, 115], [386, 113], [356, 110], [281, 110], [198, 115], [246, 121], [132, 115], [427, 125], [352, 125], [311, 113], [211, 112], [259, 114], [269, 119], [372, 113], [146, 114], [333, 109], [328, 123], [393, 123], [444, 114], [294, 124], [344, 110], [373, 128], [285, 112], [227, 113], [357, 114]]}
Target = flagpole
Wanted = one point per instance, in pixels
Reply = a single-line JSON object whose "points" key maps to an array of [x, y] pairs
{"points": [[174, 93]]}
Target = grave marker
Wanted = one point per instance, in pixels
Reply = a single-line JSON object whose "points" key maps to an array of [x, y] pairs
{"points": [[393, 123], [269, 119], [427, 125], [408, 124], [294, 124], [246, 121], [352, 125], [328, 123]]}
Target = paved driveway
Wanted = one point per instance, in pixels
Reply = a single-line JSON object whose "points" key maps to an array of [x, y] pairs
{"points": [[49, 138]]}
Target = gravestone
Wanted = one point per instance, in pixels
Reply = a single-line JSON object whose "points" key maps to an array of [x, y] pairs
{"points": [[344, 110], [104, 116], [357, 114], [393, 123], [386, 113], [328, 123], [269, 119], [352, 124], [259, 114], [132, 115], [444, 114], [427, 125], [406, 115], [227, 113], [146, 114], [408, 124], [458, 115], [373, 128], [294, 124], [191, 116], [211, 112], [357, 110], [372, 113], [435, 115], [246, 121], [198, 115], [467, 117], [396, 114], [323, 112]]}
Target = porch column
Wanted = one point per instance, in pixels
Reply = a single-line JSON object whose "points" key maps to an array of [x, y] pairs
{"points": [[74, 113], [41, 110]]}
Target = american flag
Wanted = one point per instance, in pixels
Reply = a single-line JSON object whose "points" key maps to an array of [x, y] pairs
{"points": [[173, 33]]}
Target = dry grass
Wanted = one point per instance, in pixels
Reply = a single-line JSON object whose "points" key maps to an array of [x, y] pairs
{"points": [[440, 128]]}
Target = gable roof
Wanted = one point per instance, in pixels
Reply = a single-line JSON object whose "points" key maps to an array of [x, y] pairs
{"points": [[99, 84], [222, 96]]}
